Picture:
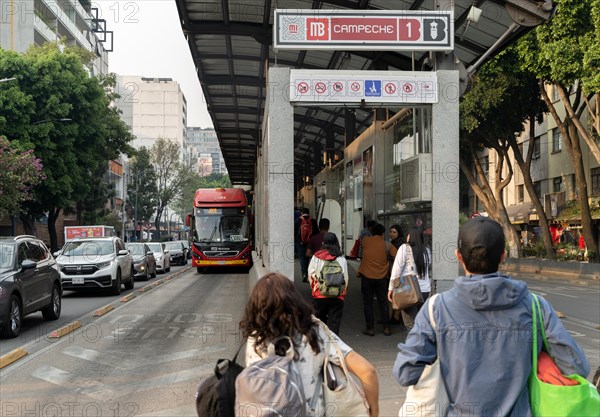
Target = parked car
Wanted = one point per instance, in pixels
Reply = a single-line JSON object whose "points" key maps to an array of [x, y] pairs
{"points": [[177, 252], [96, 262], [144, 262], [161, 254], [29, 282]]}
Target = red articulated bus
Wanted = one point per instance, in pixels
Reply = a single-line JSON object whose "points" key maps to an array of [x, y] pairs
{"points": [[220, 228]]}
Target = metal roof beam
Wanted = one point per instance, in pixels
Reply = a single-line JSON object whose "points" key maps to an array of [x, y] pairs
{"points": [[254, 30]]}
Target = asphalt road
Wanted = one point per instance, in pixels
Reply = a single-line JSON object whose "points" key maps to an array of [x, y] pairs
{"points": [[147, 356], [75, 305]]}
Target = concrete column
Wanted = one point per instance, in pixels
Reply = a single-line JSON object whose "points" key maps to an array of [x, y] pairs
{"points": [[445, 172], [278, 175]]}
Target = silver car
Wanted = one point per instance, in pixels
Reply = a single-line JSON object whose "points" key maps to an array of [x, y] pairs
{"points": [[99, 262], [161, 254]]}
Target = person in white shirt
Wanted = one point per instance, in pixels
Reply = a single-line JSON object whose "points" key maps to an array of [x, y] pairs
{"points": [[412, 257]]}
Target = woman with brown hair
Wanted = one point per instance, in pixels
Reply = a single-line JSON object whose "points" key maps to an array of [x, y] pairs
{"points": [[276, 308]]}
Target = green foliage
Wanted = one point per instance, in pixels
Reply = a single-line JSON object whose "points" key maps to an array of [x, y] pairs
{"points": [[170, 174], [55, 108], [502, 98], [141, 189], [19, 171], [558, 50], [193, 181]]}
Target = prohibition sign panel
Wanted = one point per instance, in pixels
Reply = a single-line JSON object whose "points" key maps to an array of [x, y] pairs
{"points": [[335, 87]]}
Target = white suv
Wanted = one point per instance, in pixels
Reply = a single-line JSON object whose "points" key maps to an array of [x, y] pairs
{"points": [[101, 262]]}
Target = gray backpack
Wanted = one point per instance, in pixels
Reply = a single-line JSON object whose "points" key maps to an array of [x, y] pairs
{"points": [[272, 386]]}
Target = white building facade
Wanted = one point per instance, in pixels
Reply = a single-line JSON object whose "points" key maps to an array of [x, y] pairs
{"points": [[27, 22], [153, 108]]}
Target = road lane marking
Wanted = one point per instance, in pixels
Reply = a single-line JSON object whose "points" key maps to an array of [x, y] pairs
{"points": [[91, 388], [95, 356]]}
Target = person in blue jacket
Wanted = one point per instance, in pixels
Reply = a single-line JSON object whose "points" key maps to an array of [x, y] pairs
{"points": [[483, 335]]}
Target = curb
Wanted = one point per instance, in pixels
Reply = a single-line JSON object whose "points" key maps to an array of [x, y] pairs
{"points": [[103, 310], [69, 328], [128, 297], [11, 357]]}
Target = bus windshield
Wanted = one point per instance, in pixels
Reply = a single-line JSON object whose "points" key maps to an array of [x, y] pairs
{"points": [[221, 225]]}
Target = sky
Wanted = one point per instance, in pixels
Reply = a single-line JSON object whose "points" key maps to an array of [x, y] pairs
{"points": [[148, 42]]}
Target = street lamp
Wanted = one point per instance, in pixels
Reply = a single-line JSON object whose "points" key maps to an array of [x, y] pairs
{"points": [[170, 221]]}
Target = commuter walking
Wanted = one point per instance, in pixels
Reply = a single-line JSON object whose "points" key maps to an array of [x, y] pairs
{"points": [[328, 260], [483, 334], [276, 308], [373, 273], [304, 228], [315, 241], [413, 257], [396, 240], [366, 232]]}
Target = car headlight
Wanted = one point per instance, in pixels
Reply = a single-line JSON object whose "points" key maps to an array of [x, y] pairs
{"points": [[159, 258], [103, 265]]}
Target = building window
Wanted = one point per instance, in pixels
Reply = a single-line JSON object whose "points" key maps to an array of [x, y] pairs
{"points": [[485, 165], [536, 148], [538, 188], [556, 140], [596, 182], [520, 193], [557, 184], [555, 95]]}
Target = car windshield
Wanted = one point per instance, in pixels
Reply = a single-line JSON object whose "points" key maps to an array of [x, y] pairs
{"points": [[136, 249], [173, 246], [89, 248], [7, 255], [155, 247]]}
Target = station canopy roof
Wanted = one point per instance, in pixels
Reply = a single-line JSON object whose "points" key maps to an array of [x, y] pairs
{"points": [[231, 45]]}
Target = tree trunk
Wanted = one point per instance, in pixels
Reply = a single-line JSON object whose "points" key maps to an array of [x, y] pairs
{"points": [[52, 217], [492, 198], [591, 143], [28, 224], [582, 195], [525, 167], [571, 140]]}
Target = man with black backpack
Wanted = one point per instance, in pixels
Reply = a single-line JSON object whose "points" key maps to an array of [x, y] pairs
{"points": [[328, 275]]}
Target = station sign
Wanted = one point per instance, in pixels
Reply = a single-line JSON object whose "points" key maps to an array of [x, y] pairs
{"points": [[374, 87], [397, 30]]}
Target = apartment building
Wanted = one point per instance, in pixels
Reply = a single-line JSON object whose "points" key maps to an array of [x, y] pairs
{"points": [[34, 22], [153, 108], [553, 178], [202, 150]]}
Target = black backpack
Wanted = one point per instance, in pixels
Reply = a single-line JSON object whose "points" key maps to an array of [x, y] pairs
{"points": [[216, 394]]}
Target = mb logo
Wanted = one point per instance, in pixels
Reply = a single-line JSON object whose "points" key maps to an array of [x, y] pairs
{"points": [[318, 29]]}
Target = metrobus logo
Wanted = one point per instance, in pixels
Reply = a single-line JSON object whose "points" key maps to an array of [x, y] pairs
{"points": [[317, 29]]}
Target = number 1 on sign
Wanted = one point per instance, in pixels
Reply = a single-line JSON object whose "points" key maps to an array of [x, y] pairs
{"points": [[410, 30]]}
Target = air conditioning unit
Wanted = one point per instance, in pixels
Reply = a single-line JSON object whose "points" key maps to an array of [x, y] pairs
{"points": [[416, 179]]}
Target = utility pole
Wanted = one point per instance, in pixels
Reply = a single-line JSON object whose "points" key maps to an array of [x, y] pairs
{"points": [[137, 238]]}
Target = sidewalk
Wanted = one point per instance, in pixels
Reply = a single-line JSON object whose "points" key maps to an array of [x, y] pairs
{"points": [[380, 350]]}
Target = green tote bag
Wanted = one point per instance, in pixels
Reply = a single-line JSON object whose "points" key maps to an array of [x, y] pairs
{"points": [[547, 400]]}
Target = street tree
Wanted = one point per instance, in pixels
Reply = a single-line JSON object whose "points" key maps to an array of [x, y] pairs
{"points": [[502, 99], [165, 157], [193, 181], [63, 114], [563, 54], [19, 172], [141, 188]]}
